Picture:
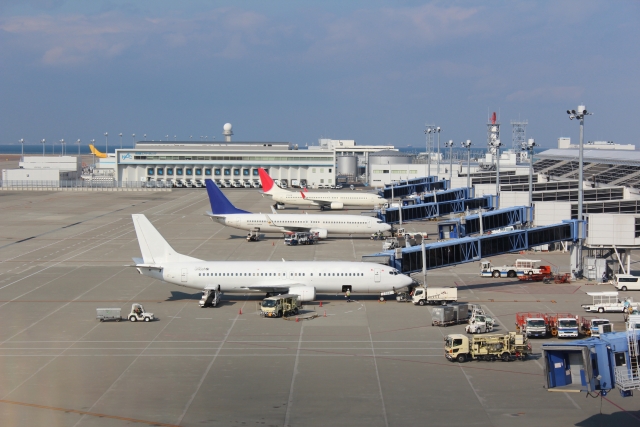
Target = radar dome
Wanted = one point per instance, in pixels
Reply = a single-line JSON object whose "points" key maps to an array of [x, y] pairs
{"points": [[227, 127]]}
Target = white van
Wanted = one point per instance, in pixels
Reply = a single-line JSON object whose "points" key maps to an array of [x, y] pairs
{"points": [[624, 282]]}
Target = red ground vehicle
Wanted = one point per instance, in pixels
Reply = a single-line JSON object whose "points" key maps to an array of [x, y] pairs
{"points": [[541, 273], [553, 323], [531, 324]]}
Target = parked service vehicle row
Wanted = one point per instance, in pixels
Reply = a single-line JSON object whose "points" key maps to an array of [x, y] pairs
{"points": [[199, 183]]}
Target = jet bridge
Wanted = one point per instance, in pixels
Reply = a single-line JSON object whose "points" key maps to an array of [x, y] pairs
{"points": [[483, 222], [469, 249], [433, 210], [418, 185]]}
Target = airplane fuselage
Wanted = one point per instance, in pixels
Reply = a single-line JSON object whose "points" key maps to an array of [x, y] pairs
{"points": [[340, 224], [318, 199], [246, 277]]}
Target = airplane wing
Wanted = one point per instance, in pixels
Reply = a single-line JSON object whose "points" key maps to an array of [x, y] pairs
{"points": [[318, 202], [139, 263], [284, 288], [286, 228], [275, 212]]}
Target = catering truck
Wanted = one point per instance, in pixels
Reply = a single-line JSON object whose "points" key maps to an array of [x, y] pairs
{"points": [[429, 295], [460, 348], [607, 302]]}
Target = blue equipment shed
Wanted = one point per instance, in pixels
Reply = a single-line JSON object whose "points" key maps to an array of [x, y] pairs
{"points": [[594, 364]]}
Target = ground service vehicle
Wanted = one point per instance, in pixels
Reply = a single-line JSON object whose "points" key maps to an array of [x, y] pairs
{"points": [[108, 314], [624, 282], [138, 313], [531, 324], [279, 306], [607, 302], [479, 324], [449, 315], [589, 326], [460, 348], [429, 295], [210, 297], [521, 267]]}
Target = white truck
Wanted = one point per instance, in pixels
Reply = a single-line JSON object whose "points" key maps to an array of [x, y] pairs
{"points": [[607, 302], [520, 268], [429, 295], [138, 313], [480, 324]]}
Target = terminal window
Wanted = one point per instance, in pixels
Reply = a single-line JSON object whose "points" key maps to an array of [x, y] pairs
{"points": [[245, 172], [150, 171], [207, 172], [189, 171], [178, 171], [227, 172], [217, 172], [169, 171], [198, 171], [236, 172], [255, 172], [160, 171]]}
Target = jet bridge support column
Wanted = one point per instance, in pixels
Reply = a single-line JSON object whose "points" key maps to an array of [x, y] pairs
{"points": [[574, 254]]}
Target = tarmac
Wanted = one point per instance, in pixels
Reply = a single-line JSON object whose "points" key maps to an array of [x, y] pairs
{"points": [[364, 363]]}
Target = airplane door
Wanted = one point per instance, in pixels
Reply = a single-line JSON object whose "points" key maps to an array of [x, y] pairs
{"points": [[376, 275], [184, 275], [369, 224]]}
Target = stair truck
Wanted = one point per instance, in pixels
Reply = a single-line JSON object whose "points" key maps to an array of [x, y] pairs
{"points": [[429, 295], [531, 324], [210, 296], [521, 267], [460, 348], [280, 306]]}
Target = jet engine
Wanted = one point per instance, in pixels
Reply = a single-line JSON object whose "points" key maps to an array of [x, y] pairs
{"points": [[320, 232], [306, 293], [337, 205]]}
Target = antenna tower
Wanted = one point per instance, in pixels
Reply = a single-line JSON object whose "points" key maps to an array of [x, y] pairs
{"points": [[518, 133]]}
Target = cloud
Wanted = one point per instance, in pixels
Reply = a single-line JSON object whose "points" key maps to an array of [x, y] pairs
{"points": [[547, 93]]}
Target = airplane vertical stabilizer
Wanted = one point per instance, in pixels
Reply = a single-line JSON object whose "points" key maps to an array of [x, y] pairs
{"points": [[268, 186], [220, 205], [155, 250]]}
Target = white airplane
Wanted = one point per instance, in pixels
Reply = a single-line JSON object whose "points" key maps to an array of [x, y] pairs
{"points": [[304, 278], [326, 200], [223, 211]]}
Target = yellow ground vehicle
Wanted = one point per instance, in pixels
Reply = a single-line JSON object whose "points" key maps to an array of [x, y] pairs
{"points": [[279, 306], [458, 347]]}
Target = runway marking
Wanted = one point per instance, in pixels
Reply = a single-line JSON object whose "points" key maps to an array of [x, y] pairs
{"points": [[128, 367], [92, 414], [206, 372], [287, 414]]}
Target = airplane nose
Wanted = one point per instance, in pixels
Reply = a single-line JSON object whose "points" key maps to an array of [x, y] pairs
{"points": [[386, 227]]}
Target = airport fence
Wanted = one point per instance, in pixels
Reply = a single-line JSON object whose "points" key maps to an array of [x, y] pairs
{"points": [[99, 184]]}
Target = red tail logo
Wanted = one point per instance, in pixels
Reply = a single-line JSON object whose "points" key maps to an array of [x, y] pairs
{"points": [[302, 194], [265, 179]]}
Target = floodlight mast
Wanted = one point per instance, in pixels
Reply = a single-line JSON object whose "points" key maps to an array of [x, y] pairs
{"points": [[528, 147], [579, 115], [449, 144], [467, 144], [496, 144]]}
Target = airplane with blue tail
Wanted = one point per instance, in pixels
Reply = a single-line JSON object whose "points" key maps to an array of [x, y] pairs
{"points": [[224, 212]]}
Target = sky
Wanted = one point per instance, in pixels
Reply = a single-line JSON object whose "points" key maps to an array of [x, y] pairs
{"points": [[374, 71]]}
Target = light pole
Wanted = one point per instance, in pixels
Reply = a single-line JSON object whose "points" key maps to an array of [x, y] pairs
{"points": [[78, 142], [93, 141], [106, 146], [167, 137], [450, 145], [175, 138], [467, 144], [191, 138], [438, 158], [145, 136], [579, 115], [496, 144], [22, 144], [133, 140], [528, 147], [427, 132], [120, 134], [62, 145], [42, 141]]}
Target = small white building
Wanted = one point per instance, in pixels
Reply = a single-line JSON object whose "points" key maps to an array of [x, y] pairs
{"points": [[565, 143]]}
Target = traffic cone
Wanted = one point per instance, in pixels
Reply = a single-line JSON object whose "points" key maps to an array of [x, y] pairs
{"points": [[297, 319], [273, 243], [320, 303], [325, 313], [240, 311]]}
